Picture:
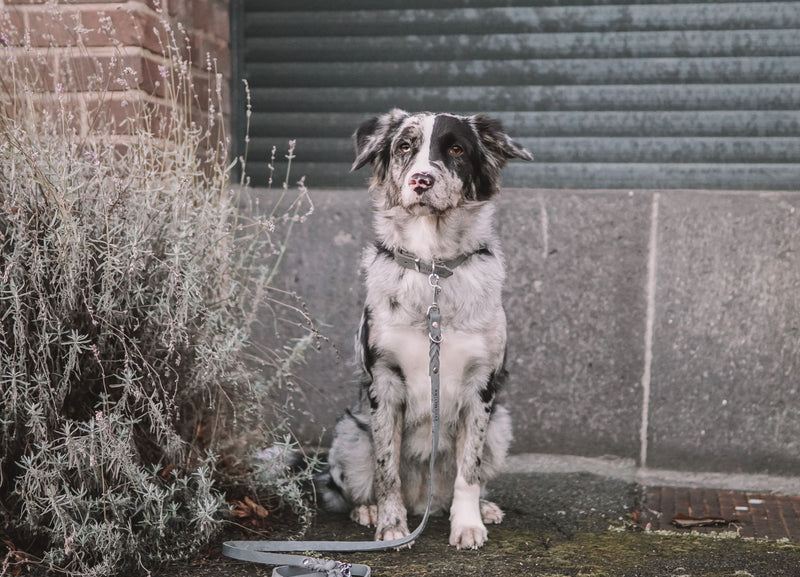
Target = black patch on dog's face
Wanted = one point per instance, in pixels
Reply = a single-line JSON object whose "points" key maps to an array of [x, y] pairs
{"points": [[455, 145]]}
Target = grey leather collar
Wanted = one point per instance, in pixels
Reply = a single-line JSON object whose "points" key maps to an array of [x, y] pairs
{"points": [[443, 268]]}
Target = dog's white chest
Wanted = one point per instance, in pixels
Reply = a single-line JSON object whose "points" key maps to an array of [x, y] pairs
{"points": [[460, 352]]}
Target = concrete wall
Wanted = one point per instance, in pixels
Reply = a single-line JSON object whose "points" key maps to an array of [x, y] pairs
{"points": [[662, 327]]}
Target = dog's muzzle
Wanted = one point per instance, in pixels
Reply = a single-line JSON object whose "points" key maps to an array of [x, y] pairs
{"points": [[420, 182]]}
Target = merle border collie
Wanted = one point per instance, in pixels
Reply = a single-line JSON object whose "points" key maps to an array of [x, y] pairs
{"points": [[433, 180]]}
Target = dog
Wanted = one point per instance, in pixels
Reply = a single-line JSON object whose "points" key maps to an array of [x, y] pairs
{"points": [[434, 177]]}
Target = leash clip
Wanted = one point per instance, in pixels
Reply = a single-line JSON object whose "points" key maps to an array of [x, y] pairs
{"points": [[434, 317], [434, 325], [433, 280]]}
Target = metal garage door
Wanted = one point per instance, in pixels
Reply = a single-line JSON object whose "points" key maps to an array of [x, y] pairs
{"points": [[624, 95]]}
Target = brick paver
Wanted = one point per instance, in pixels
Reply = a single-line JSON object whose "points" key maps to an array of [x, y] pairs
{"points": [[754, 515]]}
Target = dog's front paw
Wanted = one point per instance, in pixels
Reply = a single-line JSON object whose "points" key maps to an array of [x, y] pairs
{"points": [[393, 532], [468, 536], [392, 523]]}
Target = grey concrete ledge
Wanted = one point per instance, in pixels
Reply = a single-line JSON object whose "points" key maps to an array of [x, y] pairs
{"points": [[658, 326], [776, 484], [626, 470], [610, 467]]}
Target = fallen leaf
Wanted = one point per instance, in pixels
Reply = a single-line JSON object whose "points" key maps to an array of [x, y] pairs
{"points": [[256, 509], [686, 521]]}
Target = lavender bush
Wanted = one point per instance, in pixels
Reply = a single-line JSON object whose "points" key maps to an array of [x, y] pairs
{"points": [[130, 278]]}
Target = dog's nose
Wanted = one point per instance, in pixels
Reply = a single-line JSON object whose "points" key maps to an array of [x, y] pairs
{"points": [[420, 182]]}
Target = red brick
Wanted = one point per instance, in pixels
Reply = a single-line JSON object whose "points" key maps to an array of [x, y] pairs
{"points": [[697, 504], [223, 61], [124, 114], [150, 76], [777, 524], [36, 70], [65, 110], [727, 509], [177, 8], [759, 515], [220, 22], [126, 27], [82, 72], [200, 15], [681, 499], [777, 517], [156, 5], [205, 46], [667, 507], [12, 25], [745, 516], [791, 516], [53, 27], [712, 503], [73, 2], [121, 23]]}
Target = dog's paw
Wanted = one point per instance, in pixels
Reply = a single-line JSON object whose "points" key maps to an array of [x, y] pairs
{"points": [[394, 532], [468, 536], [491, 513], [366, 515]]}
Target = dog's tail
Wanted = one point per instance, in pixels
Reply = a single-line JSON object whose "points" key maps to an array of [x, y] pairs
{"points": [[329, 490]]}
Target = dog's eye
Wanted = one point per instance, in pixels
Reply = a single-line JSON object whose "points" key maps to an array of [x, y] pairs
{"points": [[404, 146], [456, 150]]}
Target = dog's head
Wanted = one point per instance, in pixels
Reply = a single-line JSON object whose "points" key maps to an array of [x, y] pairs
{"points": [[430, 163]]}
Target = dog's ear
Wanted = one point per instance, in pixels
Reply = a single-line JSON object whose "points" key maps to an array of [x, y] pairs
{"points": [[372, 141], [497, 148], [498, 144]]}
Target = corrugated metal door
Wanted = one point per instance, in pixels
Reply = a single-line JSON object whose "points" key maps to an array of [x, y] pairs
{"points": [[625, 95]]}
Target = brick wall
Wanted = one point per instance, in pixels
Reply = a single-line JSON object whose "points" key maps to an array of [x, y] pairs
{"points": [[106, 53]]}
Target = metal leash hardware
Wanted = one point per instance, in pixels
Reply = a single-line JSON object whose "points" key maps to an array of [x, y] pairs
{"points": [[433, 280], [435, 336], [434, 326], [274, 552]]}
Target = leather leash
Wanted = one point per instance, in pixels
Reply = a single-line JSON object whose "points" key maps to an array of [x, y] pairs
{"points": [[276, 552]]}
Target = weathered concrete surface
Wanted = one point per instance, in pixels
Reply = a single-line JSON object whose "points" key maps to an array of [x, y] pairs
{"points": [[575, 299], [691, 344], [726, 349], [557, 524], [322, 266]]}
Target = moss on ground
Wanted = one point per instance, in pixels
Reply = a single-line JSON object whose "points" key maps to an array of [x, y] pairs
{"points": [[547, 544], [516, 552]]}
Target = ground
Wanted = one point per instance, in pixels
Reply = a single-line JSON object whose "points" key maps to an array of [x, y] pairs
{"points": [[556, 524]]}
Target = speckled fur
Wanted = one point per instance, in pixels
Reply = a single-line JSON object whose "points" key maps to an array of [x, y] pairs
{"points": [[379, 459]]}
